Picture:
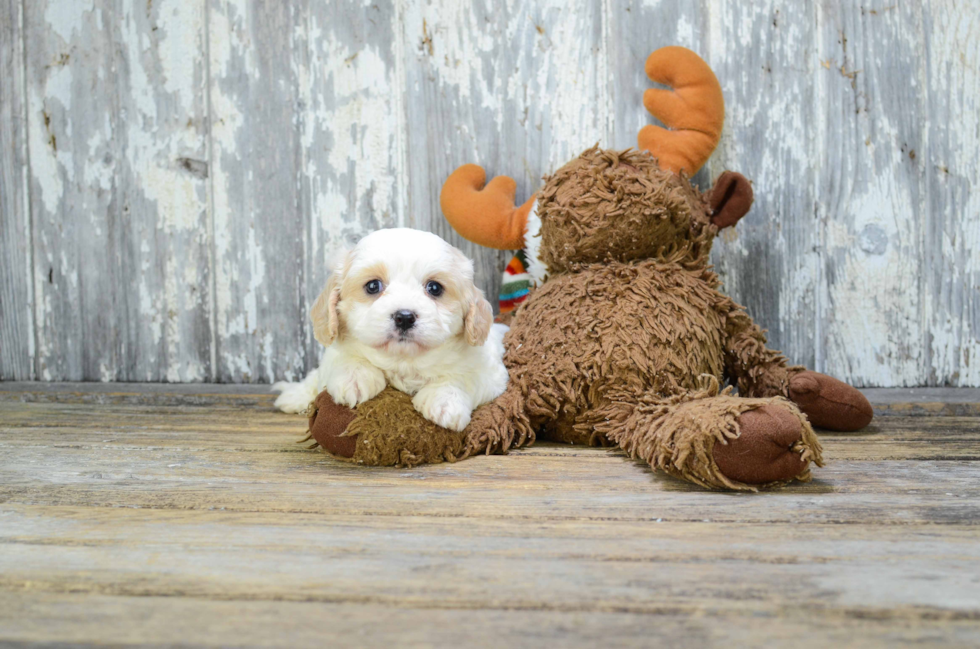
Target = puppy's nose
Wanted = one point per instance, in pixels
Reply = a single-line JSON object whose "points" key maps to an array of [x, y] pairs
{"points": [[404, 319]]}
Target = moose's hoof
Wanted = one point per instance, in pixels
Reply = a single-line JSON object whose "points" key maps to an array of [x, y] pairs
{"points": [[829, 403], [328, 421], [765, 449]]}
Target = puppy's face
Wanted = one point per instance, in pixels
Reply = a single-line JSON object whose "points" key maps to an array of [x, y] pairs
{"points": [[403, 292]]}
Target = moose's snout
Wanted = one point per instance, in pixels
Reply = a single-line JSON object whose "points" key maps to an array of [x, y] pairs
{"points": [[404, 319]]}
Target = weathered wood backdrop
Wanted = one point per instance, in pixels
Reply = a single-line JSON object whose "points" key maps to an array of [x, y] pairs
{"points": [[174, 173]]}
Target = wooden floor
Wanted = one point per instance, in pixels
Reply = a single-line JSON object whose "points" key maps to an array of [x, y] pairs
{"points": [[163, 515]]}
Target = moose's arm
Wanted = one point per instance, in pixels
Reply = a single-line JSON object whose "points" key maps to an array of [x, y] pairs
{"points": [[762, 372], [757, 370]]}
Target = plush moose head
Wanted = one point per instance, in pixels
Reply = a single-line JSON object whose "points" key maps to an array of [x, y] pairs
{"points": [[609, 205]]}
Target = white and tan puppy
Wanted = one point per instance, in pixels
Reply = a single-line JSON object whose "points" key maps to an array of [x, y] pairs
{"points": [[401, 309]]}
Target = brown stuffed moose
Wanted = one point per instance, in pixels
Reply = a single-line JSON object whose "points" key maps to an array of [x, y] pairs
{"points": [[626, 339]]}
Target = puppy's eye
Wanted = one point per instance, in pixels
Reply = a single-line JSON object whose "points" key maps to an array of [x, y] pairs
{"points": [[434, 288], [373, 287]]}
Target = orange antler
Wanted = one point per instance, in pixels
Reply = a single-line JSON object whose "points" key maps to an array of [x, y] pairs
{"points": [[692, 109], [484, 215]]}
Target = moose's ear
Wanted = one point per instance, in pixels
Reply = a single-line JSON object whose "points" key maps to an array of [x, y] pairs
{"points": [[730, 199]]}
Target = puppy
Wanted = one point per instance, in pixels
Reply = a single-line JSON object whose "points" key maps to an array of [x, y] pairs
{"points": [[401, 309]]}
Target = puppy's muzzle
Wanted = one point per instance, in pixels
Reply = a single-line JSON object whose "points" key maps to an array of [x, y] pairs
{"points": [[404, 320]]}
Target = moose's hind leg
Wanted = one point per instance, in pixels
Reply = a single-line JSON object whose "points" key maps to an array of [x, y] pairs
{"points": [[716, 440]]}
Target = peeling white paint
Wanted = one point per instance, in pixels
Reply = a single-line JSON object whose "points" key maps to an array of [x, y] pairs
{"points": [[883, 288], [874, 271], [356, 124], [180, 48], [226, 122], [47, 107], [952, 303], [65, 18]]}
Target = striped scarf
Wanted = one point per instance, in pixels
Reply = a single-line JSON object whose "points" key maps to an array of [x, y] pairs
{"points": [[516, 284]]}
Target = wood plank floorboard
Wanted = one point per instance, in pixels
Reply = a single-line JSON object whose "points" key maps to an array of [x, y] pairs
{"points": [[148, 516]]}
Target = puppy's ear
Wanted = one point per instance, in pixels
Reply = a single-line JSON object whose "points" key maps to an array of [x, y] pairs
{"points": [[324, 314], [479, 314], [477, 321]]}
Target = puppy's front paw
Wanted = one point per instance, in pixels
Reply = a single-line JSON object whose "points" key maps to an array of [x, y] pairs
{"points": [[355, 384], [445, 406]]}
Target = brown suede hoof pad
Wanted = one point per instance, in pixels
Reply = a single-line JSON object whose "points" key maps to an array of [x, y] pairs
{"points": [[829, 403], [762, 452], [328, 422]]}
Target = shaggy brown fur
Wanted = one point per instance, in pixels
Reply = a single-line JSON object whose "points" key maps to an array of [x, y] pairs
{"points": [[385, 431], [620, 206], [628, 339], [627, 342]]}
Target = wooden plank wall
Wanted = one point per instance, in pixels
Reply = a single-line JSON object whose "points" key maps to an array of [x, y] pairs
{"points": [[16, 298], [175, 174]]}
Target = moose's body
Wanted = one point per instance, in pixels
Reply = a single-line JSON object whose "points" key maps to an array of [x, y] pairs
{"points": [[608, 330], [629, 339]]}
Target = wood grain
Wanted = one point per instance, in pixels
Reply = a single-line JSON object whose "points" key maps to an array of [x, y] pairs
{"points": [[439, 563], [192, 166], [204, 458], [83, 620], [259, 221], [519, 92], [887, 438], [117, 123], [162, 523], [764, 58], [951, 169], [871, 190], [16, 291]]}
